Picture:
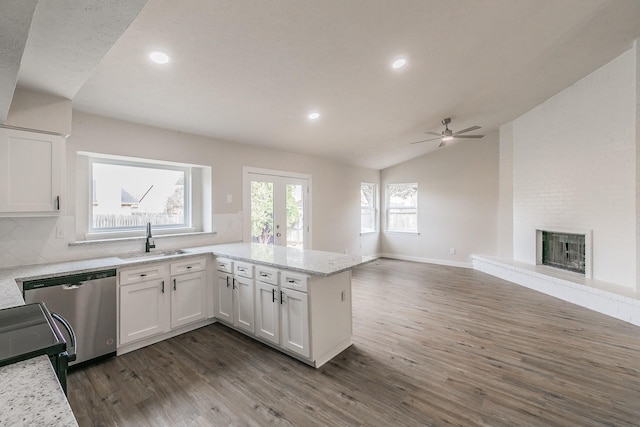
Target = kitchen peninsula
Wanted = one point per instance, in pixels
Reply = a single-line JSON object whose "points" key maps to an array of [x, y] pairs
{"points": [[289, 272]]}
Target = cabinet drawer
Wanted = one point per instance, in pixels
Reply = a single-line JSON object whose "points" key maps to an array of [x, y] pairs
{"points": [[188, 266], [141, 274], [224, 264], [267, 275], [295, 281], [243, 269]]}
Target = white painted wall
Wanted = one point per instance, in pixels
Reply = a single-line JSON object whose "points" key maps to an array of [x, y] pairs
{"points": [[40, 111], [457, 203], [335, 207], [574, 167]]}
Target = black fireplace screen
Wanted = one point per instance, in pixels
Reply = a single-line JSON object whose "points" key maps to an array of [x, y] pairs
{"points": [[564, 250]]}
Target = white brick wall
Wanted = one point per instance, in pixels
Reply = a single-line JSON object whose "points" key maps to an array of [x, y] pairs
{"points": [[574, 167]]}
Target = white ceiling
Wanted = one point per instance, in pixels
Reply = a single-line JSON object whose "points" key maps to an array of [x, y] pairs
{"points": [[249, 71]]}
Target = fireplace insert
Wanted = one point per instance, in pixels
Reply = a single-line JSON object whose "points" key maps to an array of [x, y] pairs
{"points": [[564, 250]]}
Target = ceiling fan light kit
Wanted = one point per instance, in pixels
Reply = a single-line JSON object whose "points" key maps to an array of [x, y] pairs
{"points": [[447, 134]]}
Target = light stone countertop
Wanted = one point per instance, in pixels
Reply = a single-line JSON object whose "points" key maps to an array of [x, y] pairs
{"points": [[317, 263], [29, 391]]}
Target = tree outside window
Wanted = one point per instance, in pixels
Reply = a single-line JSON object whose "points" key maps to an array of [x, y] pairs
{"points": [[368, 207], [402, 207]]}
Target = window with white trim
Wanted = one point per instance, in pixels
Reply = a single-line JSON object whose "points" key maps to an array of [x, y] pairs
{"points": [[402, 207], [368, 207], [128, 194]]}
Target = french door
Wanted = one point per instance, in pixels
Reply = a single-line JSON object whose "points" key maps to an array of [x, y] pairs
{"points": [[276, 208]]}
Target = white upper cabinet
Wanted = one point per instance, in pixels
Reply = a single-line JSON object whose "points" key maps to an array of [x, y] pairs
{"points": [[31, 173]]}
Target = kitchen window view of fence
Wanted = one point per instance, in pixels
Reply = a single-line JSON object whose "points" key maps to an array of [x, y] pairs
{"points": [[127, 195], [402, 208]]}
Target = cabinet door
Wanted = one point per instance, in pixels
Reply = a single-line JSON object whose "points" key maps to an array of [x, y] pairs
{"points": [[31, 166], [188, 299], [295, 321], [224, 297], [243, 303], [268, 312], [144, 310]]}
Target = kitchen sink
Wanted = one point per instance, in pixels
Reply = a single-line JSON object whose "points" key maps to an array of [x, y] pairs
{"points": [[153, 254]]}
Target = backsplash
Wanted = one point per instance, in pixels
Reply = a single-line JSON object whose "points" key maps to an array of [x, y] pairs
{"points": [[39, 240]]}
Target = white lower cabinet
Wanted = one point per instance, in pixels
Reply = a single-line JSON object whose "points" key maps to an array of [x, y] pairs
{"points": [[282, 317], [305, 316], [188, 298], [224, 296], [152, 302], [294, 310], [144, 310], [235, 294], [268, 312], [243, 303]]}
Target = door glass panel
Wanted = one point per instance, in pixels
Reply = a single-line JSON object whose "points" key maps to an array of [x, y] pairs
{"points": [[295, 215], [262, 212]]}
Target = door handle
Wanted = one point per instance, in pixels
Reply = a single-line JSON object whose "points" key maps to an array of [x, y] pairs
{"points": [[72, 335], [281, 297], [273, 294], [228, 281], [162, 287], [174, 284]]}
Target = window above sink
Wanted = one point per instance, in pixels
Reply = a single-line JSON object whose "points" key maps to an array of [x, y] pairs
{"points": [[123, 194]]}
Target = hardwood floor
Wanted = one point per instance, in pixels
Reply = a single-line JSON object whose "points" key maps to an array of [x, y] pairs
{"points": [[433, 345]]}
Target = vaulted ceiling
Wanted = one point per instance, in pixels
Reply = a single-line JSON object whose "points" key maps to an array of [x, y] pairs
{"points": [[250, 71]]}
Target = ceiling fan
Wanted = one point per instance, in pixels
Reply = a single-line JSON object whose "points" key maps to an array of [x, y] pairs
{"points": [[447, 134]]}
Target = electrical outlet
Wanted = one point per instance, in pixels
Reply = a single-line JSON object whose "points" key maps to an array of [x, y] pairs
{"points": [[452, 251], [59, 232], [229, 198]]}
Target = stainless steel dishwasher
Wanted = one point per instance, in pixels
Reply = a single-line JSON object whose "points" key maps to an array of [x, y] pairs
{"points": [[88, 302]]}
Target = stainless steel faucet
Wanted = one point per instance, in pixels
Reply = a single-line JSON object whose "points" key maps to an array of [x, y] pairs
{"points": [[150, 243]]}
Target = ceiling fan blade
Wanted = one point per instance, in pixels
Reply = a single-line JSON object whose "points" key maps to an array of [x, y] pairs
{"points": [[442, 144], [468, 136], [466, 130], [434, 133], [425, 140]]}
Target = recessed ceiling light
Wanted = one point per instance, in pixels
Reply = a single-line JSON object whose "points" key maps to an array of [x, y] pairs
{"points": [[399, 63], [313, 116], [159, 57]]}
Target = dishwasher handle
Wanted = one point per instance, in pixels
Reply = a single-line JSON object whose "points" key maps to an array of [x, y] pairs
{"points": [[67, 326]]}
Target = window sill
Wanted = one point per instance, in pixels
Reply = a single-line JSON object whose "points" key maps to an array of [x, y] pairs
{"points": [[366, 233], [405, 233], [96, 241]]}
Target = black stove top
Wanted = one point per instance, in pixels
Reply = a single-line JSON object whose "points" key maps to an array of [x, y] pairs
{"points": [[28, 331]]}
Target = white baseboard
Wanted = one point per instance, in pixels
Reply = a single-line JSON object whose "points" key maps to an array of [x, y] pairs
{"points": [[427, 260]]}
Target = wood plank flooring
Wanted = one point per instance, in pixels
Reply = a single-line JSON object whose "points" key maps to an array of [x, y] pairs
{"points": [[433, 346]]}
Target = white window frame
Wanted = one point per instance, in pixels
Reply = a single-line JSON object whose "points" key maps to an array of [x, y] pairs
{"points": [[375, 209], [388, 208], [100, 233]]}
